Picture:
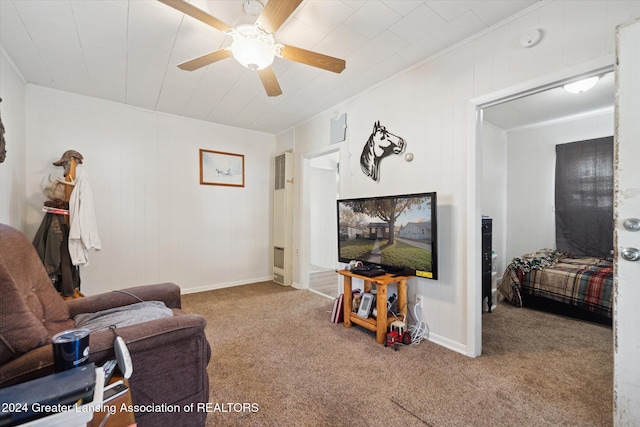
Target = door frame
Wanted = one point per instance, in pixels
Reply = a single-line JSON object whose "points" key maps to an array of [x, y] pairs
{"points": [[626, 377], [305, 221], [474, 179]]}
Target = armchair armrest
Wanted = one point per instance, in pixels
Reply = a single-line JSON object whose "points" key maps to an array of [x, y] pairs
{"points": [[169, 293], [143, 336], [170, 358], [152, 335], [29, 366]]}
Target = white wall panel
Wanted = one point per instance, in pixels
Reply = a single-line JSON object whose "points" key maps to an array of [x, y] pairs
{"points": [[156, 222], [634, 9], [494, 189], [551, 48], [587, 21], [524, 63], [502, 39], [12, 170], [484, 73], [324, 187]]}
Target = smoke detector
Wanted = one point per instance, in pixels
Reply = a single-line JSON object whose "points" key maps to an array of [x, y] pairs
{"points": [[531, 39]]}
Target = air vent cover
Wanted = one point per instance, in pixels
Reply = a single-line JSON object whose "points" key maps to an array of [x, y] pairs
{"points": [[280, 172], [278, 257]]}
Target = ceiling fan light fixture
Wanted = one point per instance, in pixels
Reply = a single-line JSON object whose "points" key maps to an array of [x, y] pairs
{"points": [[581, 85], [252, 47], [253, 43]]}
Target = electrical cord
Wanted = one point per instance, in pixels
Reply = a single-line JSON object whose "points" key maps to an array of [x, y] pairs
{"points": [[419, 330], [130, 294]]}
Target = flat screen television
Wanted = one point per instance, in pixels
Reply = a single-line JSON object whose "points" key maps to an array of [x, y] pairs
{"points": [[397, 233]]}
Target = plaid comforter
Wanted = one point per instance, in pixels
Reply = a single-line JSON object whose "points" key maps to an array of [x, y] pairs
{"points": [[585, 282]]}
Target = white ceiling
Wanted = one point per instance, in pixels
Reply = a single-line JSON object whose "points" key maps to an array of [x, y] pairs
{"points": [[127, 50], [553, 105]]}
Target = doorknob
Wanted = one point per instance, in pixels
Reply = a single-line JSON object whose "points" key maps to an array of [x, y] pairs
{"points": [[630, 254], [632, 224]]}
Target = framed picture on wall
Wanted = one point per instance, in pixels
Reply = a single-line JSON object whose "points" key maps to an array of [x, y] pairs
{"points": [[219, 168]]}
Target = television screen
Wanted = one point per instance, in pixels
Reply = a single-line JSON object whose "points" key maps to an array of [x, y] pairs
{"points": [[398, 233]]}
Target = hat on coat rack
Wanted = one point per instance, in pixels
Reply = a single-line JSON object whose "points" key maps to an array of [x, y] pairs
{"points": [[67, 156], [65, 160]]}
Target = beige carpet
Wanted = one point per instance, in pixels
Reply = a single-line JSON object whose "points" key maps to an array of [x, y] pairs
{"points": [[275, 350]]}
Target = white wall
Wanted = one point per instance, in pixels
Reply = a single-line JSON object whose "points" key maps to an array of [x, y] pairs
{"points": [[12, 170], [428, 106], [156, 222], [494, 189], [324, 187], [531, 161]]}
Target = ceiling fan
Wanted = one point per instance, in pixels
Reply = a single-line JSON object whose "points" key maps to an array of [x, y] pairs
{"points": [[253, 45]]}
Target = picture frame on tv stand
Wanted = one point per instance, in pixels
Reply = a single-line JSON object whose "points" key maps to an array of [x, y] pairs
{"points": [[366, 304]]}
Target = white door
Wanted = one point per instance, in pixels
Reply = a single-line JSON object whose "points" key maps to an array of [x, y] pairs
{"points": [[627, 206]]}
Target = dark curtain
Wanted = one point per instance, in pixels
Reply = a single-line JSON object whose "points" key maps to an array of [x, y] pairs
{"points": [[584, 197]]}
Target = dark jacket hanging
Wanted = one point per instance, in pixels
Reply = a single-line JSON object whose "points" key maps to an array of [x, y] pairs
{"points": [[52, 244]]}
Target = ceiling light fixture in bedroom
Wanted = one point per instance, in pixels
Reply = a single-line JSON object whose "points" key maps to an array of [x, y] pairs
{"points": [[581, 85]]}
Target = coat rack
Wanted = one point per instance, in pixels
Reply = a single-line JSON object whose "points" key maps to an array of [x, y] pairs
{"points": [[55, 255], [70, 178]]}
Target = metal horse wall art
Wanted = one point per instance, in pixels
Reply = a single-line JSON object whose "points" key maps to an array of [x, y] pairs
{"points": [[381, 143]]}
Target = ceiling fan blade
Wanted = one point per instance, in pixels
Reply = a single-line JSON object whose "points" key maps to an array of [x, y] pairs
{"points": [[199, 14], [275, 13], [314, 59], [269, 81], [205, 60]]}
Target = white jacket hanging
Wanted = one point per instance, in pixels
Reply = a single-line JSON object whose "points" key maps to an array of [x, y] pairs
{"points": [[83, 232]]}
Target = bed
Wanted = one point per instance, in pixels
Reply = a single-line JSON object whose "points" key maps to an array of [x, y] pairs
{"points": [[575, 286]]}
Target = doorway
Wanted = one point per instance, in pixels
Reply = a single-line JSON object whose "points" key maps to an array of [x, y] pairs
{"points": [[324, 184], [475, 208], [519, 139]]}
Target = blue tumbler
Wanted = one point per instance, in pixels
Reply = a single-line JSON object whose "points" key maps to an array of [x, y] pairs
{"points": [[70, 349]]}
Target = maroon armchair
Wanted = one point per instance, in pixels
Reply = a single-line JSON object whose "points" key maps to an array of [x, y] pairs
{"points": [[169, 355]]}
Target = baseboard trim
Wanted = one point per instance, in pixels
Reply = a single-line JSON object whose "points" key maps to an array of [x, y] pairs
{"points": [[321, 294], [447, 343], [214, 286]]}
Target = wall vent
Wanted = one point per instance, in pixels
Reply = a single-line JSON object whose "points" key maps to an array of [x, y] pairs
{"points": [[278, 257], [283, 219], [281, 175]]}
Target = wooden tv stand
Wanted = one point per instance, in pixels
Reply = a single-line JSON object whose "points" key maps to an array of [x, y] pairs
{"points": [[381, 324]]}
